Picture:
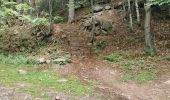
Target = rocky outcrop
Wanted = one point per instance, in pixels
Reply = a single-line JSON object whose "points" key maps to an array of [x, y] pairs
{"points": [[103, 21]]}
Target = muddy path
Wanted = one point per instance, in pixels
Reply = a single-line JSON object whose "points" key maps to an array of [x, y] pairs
{"points": [[109, 81]]}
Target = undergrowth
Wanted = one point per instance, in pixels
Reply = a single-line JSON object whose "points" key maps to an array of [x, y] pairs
{"points": [[18, 59], [137, 69]]}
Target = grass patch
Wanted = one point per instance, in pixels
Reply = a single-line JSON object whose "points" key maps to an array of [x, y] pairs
{"points": [[138, 70], [45, 79], [141, 76], [17, 59], [116, 57], [36, 92], [113, 58], [127, 65]]}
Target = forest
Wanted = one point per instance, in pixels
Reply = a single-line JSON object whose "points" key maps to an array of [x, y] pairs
{"points": [[84, 49]]}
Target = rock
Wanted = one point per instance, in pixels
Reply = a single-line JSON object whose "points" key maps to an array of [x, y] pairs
{"points": [[87, 23], [97, 31], [61, 61], [48, 61], [22, 71], [107, 7], [98, 14], [41, 60], [98, 8], [107, 26], [57, 98], [63, 36], [104, 32], [167, 82]]}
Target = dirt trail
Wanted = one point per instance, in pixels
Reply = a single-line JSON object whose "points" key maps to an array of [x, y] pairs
{"points": [[110, 83]]}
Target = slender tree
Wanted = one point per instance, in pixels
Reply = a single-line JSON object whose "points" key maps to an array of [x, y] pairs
{"points": [[93, 22], [130, 15], [71, 11], [148, 36], [137, 11]]}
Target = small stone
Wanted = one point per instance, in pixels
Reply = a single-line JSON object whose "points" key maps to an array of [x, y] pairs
{"points": [[57, 98], [48, 61], [98, 8], [167, 82], [41, 60], [22, 71], [63, 36], [98, 14], [107, 7]]}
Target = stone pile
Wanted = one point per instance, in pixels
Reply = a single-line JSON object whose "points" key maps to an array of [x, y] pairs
{"points": [[103, 26]]}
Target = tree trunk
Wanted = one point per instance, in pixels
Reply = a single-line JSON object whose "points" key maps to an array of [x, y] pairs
{"points": [[130, 15], [148, 36], [19, 1], [93, 23], [71, 11], [137, 11], [32, 3]]}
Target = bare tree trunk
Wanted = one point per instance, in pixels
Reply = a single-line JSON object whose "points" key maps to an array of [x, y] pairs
{"points": [[148, 36], [137, 11], [130, 15], [93, 23], [32, 3], [71, 11], [19, 1]]}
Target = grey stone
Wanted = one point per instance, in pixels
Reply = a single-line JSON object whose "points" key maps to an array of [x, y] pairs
{"points": [[98, 8], [41, 60], [107, 7]]}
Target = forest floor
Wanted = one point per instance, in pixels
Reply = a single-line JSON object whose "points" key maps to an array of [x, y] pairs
{"points": [[86, 79], [113, 68]]}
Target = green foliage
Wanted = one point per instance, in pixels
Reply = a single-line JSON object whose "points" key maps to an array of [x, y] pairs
{"points": [[127, 65], [58, 19], [9, 12], [160, 2], [116, 57], [101, 44], [150, 52], [18, 59], [113, 58], [38, 22], [62, 60], [168, 57], [8, 4], [25, 18], [141, 76], [23, 8]]}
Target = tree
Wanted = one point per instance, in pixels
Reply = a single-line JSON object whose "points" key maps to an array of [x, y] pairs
{"points": [[71, 11], [93, 22], [148, 36]]}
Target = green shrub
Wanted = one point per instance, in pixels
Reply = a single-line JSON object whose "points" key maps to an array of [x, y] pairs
{"points": [[112, 58], [17, 59], [127, 65], [23, 8], [58, 19], [141, 75], [101, 44], [40, 22]]}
